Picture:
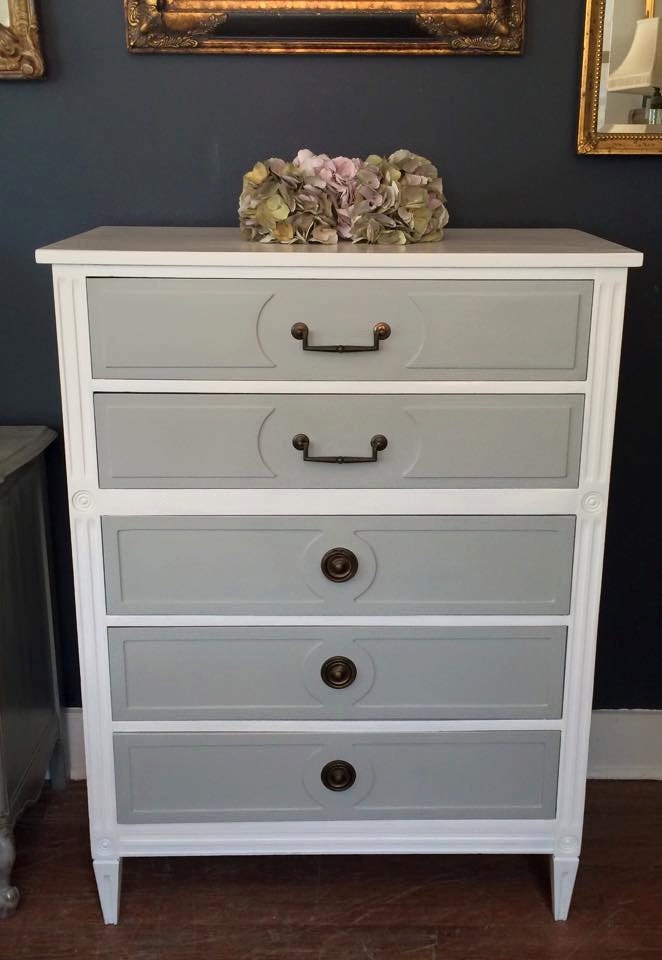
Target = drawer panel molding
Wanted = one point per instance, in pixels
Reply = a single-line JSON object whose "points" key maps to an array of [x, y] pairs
{"points": [[350, 673], [499, 566], [202, 329], [171, 778], [191, 441]]}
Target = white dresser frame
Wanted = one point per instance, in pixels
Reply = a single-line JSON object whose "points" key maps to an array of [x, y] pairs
{"points": [[559, 838]]}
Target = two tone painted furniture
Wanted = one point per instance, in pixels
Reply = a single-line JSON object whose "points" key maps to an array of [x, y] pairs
{"points": [[338, 519], [30, 729]]}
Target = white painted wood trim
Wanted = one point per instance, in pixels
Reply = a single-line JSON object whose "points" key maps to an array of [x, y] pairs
{"points": [[329, 726], [371, 387], [80, 452], [489, 247], [625, 744], [599, 415], [336, 837], [341, 501], [190, 620], [259, 271]]}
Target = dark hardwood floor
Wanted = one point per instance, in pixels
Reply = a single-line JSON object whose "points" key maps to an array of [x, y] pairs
{"points": [[343, 908]]}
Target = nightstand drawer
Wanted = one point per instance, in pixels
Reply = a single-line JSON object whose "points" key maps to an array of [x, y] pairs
{"points": [[199, 329], [348, 673], [198, 777], [268, 441], [338, 565]]}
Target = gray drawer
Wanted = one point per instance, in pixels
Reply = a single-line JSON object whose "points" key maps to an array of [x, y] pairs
{"points": [[189, 673], [212, 777], [175, 440], [273, 565], [241, 329]]}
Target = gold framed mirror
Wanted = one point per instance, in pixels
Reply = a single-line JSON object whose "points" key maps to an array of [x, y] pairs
{"points": [[326, 26], [620, 103], [20, 49]]}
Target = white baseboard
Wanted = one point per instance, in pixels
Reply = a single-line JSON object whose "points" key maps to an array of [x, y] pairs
{"points": [[625, 744], [74, 742]]}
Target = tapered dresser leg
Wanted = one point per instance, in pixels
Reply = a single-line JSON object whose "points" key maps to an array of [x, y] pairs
{"points": [[9, 895], [564, 874], [108, 874]]}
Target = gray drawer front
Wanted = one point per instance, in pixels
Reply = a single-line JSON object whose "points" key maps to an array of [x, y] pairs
{"points": [[188, 673], [240, 329], [175, 440], [214, 777], [272, 565]]}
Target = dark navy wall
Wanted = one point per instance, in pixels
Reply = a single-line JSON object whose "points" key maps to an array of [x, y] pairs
{"points": [[111, 138]]}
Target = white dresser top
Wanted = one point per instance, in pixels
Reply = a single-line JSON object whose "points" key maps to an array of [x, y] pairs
{"points": [[223, 246]]}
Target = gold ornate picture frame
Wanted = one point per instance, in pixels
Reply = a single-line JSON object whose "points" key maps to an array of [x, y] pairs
{"points": [[20, 47], [326, 26], [591, 139]]}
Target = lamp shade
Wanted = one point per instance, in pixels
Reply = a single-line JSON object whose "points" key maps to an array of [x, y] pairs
{"points": [[641, 71]]}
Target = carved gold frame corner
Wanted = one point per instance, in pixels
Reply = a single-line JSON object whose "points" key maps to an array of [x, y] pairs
{"points": [[590, 140], [447, 26], [20, 47]]}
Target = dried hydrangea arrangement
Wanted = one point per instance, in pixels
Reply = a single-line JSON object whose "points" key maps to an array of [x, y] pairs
{"points": [[282, 203], [317, 199], [400, 199]]}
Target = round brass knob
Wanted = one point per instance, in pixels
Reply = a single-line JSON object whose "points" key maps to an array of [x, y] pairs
{"points": [[339, 564], [299, 331], [382, 330], [338, 775], [338, 672]]}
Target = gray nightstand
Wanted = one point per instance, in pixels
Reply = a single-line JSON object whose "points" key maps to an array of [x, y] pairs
{"points": [[30, 732]]}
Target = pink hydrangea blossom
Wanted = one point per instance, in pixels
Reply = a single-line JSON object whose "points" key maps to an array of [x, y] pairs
{"points": [[338, 175]]}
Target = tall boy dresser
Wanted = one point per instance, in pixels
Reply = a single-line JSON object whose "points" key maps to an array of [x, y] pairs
{"points": [[337, 518]]}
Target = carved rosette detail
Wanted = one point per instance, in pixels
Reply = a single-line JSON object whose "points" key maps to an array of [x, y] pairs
{"points": [[82, 500], [20, 50], [593, 502], [103, 847], [569, 845]]}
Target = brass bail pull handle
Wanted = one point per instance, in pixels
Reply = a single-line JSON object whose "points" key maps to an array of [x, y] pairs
{"points": [[377, 444], [380, 331]]}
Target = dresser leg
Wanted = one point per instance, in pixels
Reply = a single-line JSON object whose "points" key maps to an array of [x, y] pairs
{"points": [[564, 873], [58, 767], [9, 895], [108, 874]]}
